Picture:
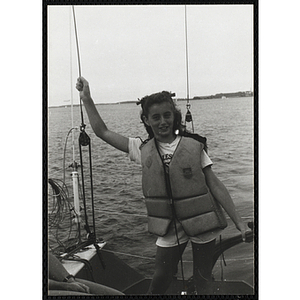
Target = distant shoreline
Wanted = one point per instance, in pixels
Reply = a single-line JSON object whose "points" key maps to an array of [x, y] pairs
{"points": [[209, 97], [223, 96]]}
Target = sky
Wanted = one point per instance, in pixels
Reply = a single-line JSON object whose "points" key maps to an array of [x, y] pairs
{"points": [[127, 52]]}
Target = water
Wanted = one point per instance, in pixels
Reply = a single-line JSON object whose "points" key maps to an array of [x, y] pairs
{"points": [[119, 208]]}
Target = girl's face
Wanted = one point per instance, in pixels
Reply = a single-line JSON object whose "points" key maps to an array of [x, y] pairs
{"points": [[161, 120]]}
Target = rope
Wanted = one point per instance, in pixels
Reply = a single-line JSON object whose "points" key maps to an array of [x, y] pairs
{"points": [[92, 194], [87, 228], [60, 213], [87, 263], [128, 254]]}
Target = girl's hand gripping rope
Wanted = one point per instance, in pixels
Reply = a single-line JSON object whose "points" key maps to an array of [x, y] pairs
{"points": [[99, 127], [82, 86]]}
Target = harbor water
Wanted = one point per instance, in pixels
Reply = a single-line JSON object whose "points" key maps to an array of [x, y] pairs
{"points": [[120, 213]]}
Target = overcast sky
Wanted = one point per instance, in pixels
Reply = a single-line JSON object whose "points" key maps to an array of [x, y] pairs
{"points": [[128, 52]]}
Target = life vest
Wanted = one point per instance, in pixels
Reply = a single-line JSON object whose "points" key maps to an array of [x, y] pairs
{"points": [[187, 198]]}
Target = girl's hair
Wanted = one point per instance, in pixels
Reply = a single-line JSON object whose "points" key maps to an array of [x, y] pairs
{"points": [[157, 98]]}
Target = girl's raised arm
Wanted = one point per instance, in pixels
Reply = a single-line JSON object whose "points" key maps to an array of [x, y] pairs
{"points": [[116, 140]]}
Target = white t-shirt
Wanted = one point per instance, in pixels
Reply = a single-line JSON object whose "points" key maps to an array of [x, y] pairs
{"points": [[166, 150]]}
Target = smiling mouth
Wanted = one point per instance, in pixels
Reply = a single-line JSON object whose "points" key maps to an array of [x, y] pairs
{"points": [[163, 128]]}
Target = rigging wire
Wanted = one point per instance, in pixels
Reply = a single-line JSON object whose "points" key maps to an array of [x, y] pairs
{"points": [[186, 57], [79, 64], [84, 140], [188, 116], [71, 90], [77, 44]]}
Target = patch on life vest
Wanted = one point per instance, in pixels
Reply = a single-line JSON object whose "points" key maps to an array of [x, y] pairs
{"points": [[187, 173], [148, 161]]}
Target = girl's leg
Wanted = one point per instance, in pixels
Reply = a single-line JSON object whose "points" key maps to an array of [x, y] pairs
{"points": [[166, 262], [203, 264]]}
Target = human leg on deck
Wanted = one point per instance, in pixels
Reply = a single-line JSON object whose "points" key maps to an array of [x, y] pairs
{"points": [[202, 266], [166, 262]]}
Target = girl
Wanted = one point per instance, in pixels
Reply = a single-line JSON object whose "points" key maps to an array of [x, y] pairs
{"points": [[181, 191]]}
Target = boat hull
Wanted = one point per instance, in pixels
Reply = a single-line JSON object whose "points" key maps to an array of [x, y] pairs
{"points": [[105, 268], [212, 288]]}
